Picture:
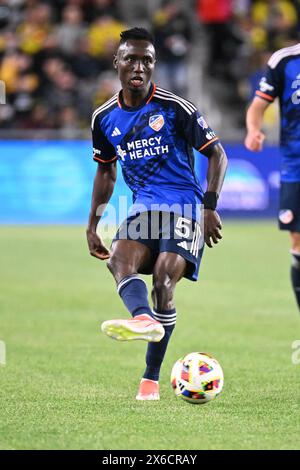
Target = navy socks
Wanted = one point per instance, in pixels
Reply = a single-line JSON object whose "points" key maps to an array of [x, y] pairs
{"points": [[156, 351], [295, 275], [133, 291]]}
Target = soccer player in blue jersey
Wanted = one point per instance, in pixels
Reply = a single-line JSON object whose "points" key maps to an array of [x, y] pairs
{"points": [[282, 80], [151, 132]]}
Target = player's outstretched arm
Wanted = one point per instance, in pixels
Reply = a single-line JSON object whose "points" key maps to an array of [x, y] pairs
{"points": [[254, 121], [217, 165], [104, 183]]}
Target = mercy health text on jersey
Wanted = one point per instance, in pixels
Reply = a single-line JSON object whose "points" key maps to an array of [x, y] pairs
{"points": [[143, 148]]}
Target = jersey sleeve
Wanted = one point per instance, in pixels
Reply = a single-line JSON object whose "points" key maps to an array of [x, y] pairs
{"points": [[103, 151], [270, 85], [197, 132]]}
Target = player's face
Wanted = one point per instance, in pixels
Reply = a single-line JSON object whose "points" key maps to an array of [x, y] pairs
{"points": [[135, 62]]}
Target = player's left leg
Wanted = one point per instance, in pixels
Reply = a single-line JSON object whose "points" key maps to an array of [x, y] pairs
{"points": [[168, 270], [295, 268], [181, 248]]}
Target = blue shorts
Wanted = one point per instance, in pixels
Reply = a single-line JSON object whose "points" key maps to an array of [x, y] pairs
{"points": [[289, 212], [166, 232]]}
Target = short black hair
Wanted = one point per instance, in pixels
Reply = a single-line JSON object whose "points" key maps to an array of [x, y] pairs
{"points": [[140, 34]]}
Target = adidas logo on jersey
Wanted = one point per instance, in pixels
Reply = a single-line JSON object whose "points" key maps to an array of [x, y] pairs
{"points": [[116, 132]]}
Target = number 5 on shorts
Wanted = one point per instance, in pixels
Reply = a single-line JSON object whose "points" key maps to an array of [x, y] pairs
{"points": [[182, 229]]}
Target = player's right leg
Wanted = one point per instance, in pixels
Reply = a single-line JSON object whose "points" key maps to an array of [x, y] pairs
{"points": [[295, 268], [289, 220], [129, 257]]}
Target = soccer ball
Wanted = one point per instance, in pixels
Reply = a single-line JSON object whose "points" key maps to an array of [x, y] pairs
{"points": [[197, 378]]}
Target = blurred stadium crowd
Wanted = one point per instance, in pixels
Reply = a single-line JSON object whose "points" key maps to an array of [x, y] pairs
{"points": [[56, 56]]}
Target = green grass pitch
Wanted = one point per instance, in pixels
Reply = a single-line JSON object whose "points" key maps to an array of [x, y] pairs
{"points": [[67, 386]]}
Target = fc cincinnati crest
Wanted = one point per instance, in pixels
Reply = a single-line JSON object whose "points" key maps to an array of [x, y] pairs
{"points": [[156, 122], [286, 216]]}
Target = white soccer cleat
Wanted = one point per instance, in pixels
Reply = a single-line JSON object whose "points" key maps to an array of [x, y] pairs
{"points": [[148, 390], [141, 327]]}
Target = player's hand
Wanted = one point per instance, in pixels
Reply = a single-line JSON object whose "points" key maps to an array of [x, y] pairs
{"points": [[96, 246], [254, 141], [212, 227]]}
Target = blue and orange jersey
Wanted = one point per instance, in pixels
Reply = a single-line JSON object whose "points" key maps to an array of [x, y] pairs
{"points": [[282, 80], [154, 145]]}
